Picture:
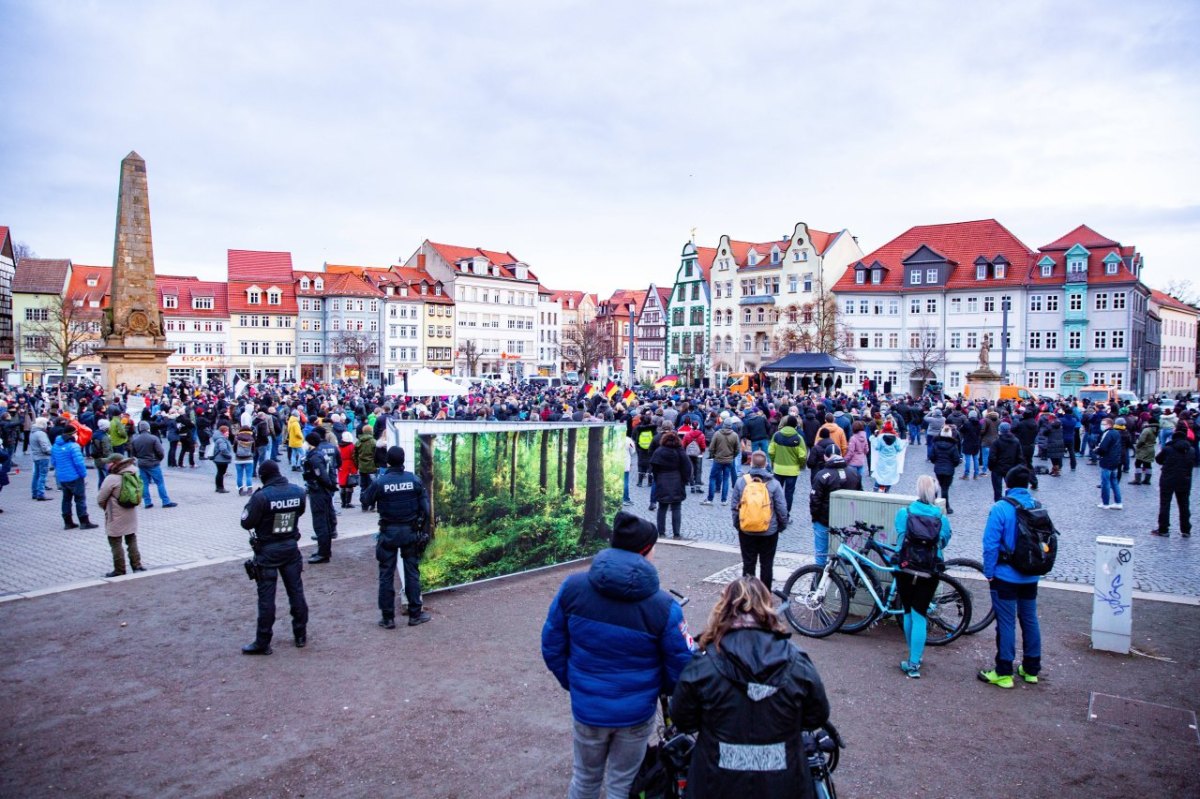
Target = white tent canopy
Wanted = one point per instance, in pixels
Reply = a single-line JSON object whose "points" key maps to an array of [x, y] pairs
{"points": [[424, 383]]}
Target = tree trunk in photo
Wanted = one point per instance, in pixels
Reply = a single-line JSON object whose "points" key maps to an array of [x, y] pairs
{"points": [[425, 471], [569, 481], [561, 437], [543, 462], [453, 459], [474, 448], [512, 472], [593, 503]]}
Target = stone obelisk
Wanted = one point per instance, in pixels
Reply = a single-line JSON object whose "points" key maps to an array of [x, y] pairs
{"points": [[135, 351]]}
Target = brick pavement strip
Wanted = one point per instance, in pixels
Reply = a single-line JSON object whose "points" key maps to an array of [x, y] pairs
{"points": [[41, 557], [204, 529]]}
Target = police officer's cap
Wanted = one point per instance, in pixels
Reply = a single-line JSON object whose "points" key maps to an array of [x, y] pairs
{"points": [[395, 456]]}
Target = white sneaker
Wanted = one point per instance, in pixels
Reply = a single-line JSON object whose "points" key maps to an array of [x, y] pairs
{"points": [[724, 503], [1117, 506], [706, 502], [1102, 506]]}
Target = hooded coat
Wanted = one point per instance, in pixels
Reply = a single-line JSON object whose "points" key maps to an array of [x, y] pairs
{"points": [[1056, 448], [118, 521], [749, 701], [672, 473], [885, 458], [615, 640]]}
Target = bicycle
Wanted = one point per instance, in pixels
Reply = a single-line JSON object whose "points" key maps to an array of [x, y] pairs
{"points": [[981, 594], [816, 599]]}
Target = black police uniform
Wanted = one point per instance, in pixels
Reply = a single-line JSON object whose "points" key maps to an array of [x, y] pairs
{"points": [[273, 515], [320, 476], [403, 513]]}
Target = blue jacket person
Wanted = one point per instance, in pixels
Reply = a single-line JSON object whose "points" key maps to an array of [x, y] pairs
{"points": [[272, 516], [403, 520]]}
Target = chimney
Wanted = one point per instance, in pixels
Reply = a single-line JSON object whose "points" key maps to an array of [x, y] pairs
{"points": [[421, 260]]}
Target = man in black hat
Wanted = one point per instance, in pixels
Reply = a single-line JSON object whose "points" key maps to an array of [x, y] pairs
{"points": [[403, 527], [622, 641], [272, 516]]}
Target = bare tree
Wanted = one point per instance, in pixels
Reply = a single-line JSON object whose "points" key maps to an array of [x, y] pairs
{"points": [[66, 333], [585, 344], [22, 251], [469, 351], [358, 349], [925, 352], [819, 327], [1183, 290]]}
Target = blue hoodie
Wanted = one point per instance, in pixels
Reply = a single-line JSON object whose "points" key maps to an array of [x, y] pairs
{"points": [[1000, 533], [68, 460], [615, 641], [921, 509]]}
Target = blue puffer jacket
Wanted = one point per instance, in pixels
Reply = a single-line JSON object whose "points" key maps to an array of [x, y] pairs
{"points": [[1000, 533], [615, 641], [68, 460]]}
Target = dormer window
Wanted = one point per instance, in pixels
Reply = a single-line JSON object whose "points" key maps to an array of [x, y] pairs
{"points": [[424, 288], [304, 284], [998, 270], [981, 271], [876, 276], [1110, 269], [404, 291], [860, 276], [931, 276], [1047, 270], [914, 277], [274, 297], [751, 258], [93, 281], [93, 303], [202, 303], [170, 301], [253, 296], [774, 255], [438, 289], [318, 284]]}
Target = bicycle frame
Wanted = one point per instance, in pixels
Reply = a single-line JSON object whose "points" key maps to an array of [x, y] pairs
{"points": [[853, 557]]}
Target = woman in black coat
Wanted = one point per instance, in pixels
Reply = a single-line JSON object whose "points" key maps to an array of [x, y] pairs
{"points": [[972, 434], [1055, 447], [672, 471], [749, 696], [946, 457]]}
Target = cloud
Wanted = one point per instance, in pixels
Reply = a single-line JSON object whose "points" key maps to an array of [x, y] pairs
{"points": [[589, 138]]}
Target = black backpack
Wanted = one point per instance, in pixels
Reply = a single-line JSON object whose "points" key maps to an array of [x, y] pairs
{"points": [[919, 552], [1036, 544]]}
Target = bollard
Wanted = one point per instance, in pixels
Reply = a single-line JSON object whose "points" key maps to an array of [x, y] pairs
{"points": [[1112, 601]]}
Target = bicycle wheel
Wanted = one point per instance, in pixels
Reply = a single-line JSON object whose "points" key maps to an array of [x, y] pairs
{"points": [[813, 611], [949, 613], [861, 610], [969, 572]]}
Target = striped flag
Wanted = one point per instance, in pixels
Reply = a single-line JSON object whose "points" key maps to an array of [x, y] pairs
{"points": [[239, 385], [586, 390], [611, 389], [628, 397], [667, 381], [590, 391]]}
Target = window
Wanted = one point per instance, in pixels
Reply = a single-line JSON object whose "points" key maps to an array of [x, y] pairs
{"points": [[1047, 270], [914, 277], [877, 308], [1100, 340], [878, 341], [1051, 340], [1035, 302], [956, 305], [170, 301], [316, 325], [989, 304], [1035, 340], [864, 307], [1035, 379], [860, 276], [931, 305], [956, 341], [876, 276], [914, 341], [1101, 303], [893, 307], [914, 306], [695, 291], [1050, 381], [37, 314], [931, 276], [981, 271], [1110, 268], [1075, 302], [316, 347], [793, 283], [893, 340], [759, 316], [253, 297], [304, 283], [1118, 301], [747, 344], [955, 378], [864, 340], [972, 305], [998, 271], [1118, 339], [319, 284], [1051, 302], [808, 282], [374, 306], [849, 307], [972, 341], [1074, 340], [930, 339]]}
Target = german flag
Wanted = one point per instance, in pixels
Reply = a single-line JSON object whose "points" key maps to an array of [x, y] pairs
{"points": [[628, 397], [667, 381], [588, 390], [611, 389]]}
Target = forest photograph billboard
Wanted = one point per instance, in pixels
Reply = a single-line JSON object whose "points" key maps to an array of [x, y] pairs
{"points": [[507, 501]]}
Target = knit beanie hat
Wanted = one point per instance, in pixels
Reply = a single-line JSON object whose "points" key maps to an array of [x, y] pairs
{"points": [[268, 471], [633, 533]]}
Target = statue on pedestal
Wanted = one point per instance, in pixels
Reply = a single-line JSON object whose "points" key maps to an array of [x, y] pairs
{"points": [[984, 359]]}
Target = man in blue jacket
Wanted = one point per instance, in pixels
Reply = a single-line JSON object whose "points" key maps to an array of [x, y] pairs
{"points": [[1014, 594], [1109, 451], [71, 472], [615, 641]]}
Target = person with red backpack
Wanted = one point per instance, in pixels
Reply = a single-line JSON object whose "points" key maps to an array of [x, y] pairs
{"points": [[760, 513]]}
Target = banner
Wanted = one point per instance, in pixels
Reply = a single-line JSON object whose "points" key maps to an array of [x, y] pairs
{"points": [[518, 499]]}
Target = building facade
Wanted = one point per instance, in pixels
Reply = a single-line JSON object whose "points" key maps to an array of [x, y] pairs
{"points": [[688, 353], [495, 306], [196, 323], [311, 350], [614, 316], [262, 315], [651, 334], [549, 331], [37, 285], [577, 309], [8, 268], [88, 294], [1177, 346]]}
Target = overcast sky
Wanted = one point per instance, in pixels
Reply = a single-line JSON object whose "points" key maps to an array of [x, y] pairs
{"points": [[589, 137]]}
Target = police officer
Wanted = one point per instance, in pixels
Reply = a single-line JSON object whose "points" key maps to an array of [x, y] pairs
{"points": [[320, 477], [272, 516], [403, 519]]}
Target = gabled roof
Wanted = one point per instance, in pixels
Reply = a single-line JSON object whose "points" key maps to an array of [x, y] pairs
{"points": [[452, 254], [337, 269], [263, 269], [78, 289], [413, 277], [41, 275], [622, 297], [704, 258], [6, 245], [819, 239], [1164, 300], [338, 284], [960, 243], [1081, 235], [189, 288]]}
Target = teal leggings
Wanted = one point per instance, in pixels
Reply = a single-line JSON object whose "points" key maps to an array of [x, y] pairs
{"points": [[915, 595]]}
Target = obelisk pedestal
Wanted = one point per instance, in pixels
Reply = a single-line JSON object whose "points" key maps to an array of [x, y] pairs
{"points": [[135, 350]]}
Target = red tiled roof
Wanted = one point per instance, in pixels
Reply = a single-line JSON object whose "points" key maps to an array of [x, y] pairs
{"points": [[412, 277], [622, 297], [78, 289], [705, 257], [1082, 235], [452, 254], [5, 241], [177, 277], [185, 289], [960, 243], [338, 284], [1167, 301], [263, 269], [41, 275]]}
